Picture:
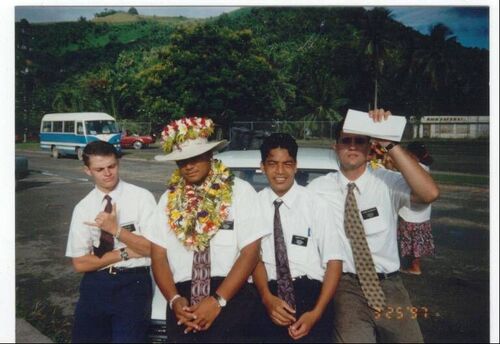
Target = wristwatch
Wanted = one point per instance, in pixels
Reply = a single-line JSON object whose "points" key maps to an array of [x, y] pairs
{"points": [[123, 253], [220, 300], [390, 146]]}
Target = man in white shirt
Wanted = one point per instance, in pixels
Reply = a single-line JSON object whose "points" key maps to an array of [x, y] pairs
{"points": [[306, 233], [206, 241], [371, 303], [106, 243]]}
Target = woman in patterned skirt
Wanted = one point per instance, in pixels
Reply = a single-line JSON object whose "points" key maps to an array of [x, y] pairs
{"points": [[414, 232]]}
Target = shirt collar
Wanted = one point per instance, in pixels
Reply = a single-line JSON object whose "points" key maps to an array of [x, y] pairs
{"points": [[361, 183], [114, 194], [287, 198]]}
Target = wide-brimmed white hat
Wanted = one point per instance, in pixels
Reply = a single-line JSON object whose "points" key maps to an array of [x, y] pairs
{"points": [[192, 148], [188, 137]]}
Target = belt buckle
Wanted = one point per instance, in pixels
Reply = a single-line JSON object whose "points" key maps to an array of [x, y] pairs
{"points": [[112, 271]]}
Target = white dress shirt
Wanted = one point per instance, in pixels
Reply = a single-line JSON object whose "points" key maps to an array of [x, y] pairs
{"points": [[310, 230], [379, 195], [134, 205], [225, 245], [417, 213]]}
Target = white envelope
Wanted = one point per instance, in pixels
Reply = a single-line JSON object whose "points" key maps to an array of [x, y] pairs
{"points": [[358, 122]]}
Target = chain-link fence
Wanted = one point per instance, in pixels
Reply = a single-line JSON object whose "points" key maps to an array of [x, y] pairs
{"points": [[133, 127], [249, 135]]}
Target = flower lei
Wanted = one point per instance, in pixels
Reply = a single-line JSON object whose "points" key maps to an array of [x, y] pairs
{"points": [[195, 213], [188, 128]]}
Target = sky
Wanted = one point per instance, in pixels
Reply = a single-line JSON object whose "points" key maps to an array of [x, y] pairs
{"points": [[469, 24]]}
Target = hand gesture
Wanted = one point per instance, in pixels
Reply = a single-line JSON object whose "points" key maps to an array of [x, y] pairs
{"points": [[279, 311], [205, 311], [379, 115], [106, 221], [180, 308], [303, 326]]}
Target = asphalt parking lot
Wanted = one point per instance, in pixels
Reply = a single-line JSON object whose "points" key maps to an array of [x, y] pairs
{"points": [[452, 295]]}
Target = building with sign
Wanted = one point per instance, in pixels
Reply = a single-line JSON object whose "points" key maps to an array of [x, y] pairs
{"points": [[453, 127]]}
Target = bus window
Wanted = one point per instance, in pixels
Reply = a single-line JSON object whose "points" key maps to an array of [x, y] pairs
{"points": [[79, 128], [69, 127], [101, 127], [57, 126], [47, 127]]}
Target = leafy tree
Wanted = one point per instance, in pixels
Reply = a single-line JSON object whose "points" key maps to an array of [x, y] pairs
{"points": [[434, 62], [133, 11], [377, 42], [212, 71]]}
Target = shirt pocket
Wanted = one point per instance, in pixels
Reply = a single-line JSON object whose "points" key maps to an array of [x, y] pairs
{"points": [[298, 247], [373, 224], [224, 238]]}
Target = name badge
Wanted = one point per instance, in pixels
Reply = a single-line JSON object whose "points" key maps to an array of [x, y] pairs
{"points": [[128, 226], [227, 225], [369, 213], [299, 240]]}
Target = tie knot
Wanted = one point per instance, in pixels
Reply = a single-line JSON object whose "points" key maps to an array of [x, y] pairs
{"points": [[107, 198], [351, 187], [277, 203]]}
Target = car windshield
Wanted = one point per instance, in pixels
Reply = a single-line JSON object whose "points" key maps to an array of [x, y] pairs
{"points": [[259, 180], [101, 127]]}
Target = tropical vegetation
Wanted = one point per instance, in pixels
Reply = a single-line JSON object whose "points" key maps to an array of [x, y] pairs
{"points": [[261, 63]]}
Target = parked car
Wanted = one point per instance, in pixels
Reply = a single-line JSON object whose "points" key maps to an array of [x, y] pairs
{"points": [[311, 163], [245, 164], [129, 140], [22, 170]]}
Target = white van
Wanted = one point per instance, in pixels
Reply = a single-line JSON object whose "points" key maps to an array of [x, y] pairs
{"points": [[68, 133]]}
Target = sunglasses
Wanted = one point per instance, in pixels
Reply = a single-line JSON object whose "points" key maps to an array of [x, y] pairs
{"points": [[356, 140]]}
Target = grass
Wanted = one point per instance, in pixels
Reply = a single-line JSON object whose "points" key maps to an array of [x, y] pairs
{"points": [[28, 145], [461, 179]]}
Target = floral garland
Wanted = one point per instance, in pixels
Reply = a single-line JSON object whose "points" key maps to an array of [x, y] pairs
{"points": [[195, 213], [188, 128]]}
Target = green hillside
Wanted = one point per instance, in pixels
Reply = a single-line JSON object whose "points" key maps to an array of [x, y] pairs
{"points": [[308, 63]]}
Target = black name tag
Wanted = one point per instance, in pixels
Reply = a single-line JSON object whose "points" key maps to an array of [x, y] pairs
{"points": [[299, 240], [130, 227], [369, 213], [228, 225]]}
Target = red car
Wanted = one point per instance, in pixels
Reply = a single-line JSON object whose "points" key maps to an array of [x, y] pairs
{"points": [[129, 140]]}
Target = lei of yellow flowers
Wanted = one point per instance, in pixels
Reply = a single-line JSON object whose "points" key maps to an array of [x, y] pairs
{"points": [[195, 213]]}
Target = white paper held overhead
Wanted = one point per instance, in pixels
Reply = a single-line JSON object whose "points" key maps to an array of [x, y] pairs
{"points": [[360, 123]]}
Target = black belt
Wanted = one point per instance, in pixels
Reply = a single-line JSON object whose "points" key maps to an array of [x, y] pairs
{"points": [[114, 271], [381, 276], [296, 279]]}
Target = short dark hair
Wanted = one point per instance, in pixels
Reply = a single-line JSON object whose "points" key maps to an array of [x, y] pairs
{"points": [[278, 140], [101, 148]]}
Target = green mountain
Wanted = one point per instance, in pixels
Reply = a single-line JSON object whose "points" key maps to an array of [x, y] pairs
{"points": [[254, 63]]}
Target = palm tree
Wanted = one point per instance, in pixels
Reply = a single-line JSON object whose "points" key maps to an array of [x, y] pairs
{"points": [[376, 44], [433, 62]]}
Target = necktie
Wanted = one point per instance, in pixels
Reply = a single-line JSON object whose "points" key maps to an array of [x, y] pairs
{"points": [[283, 275], [363, 261], [106, 241], [200, 276]]}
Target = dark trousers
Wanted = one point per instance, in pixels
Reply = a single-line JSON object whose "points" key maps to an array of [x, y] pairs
{"points": [[232, 325], [306, 294], [113, 308]]}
